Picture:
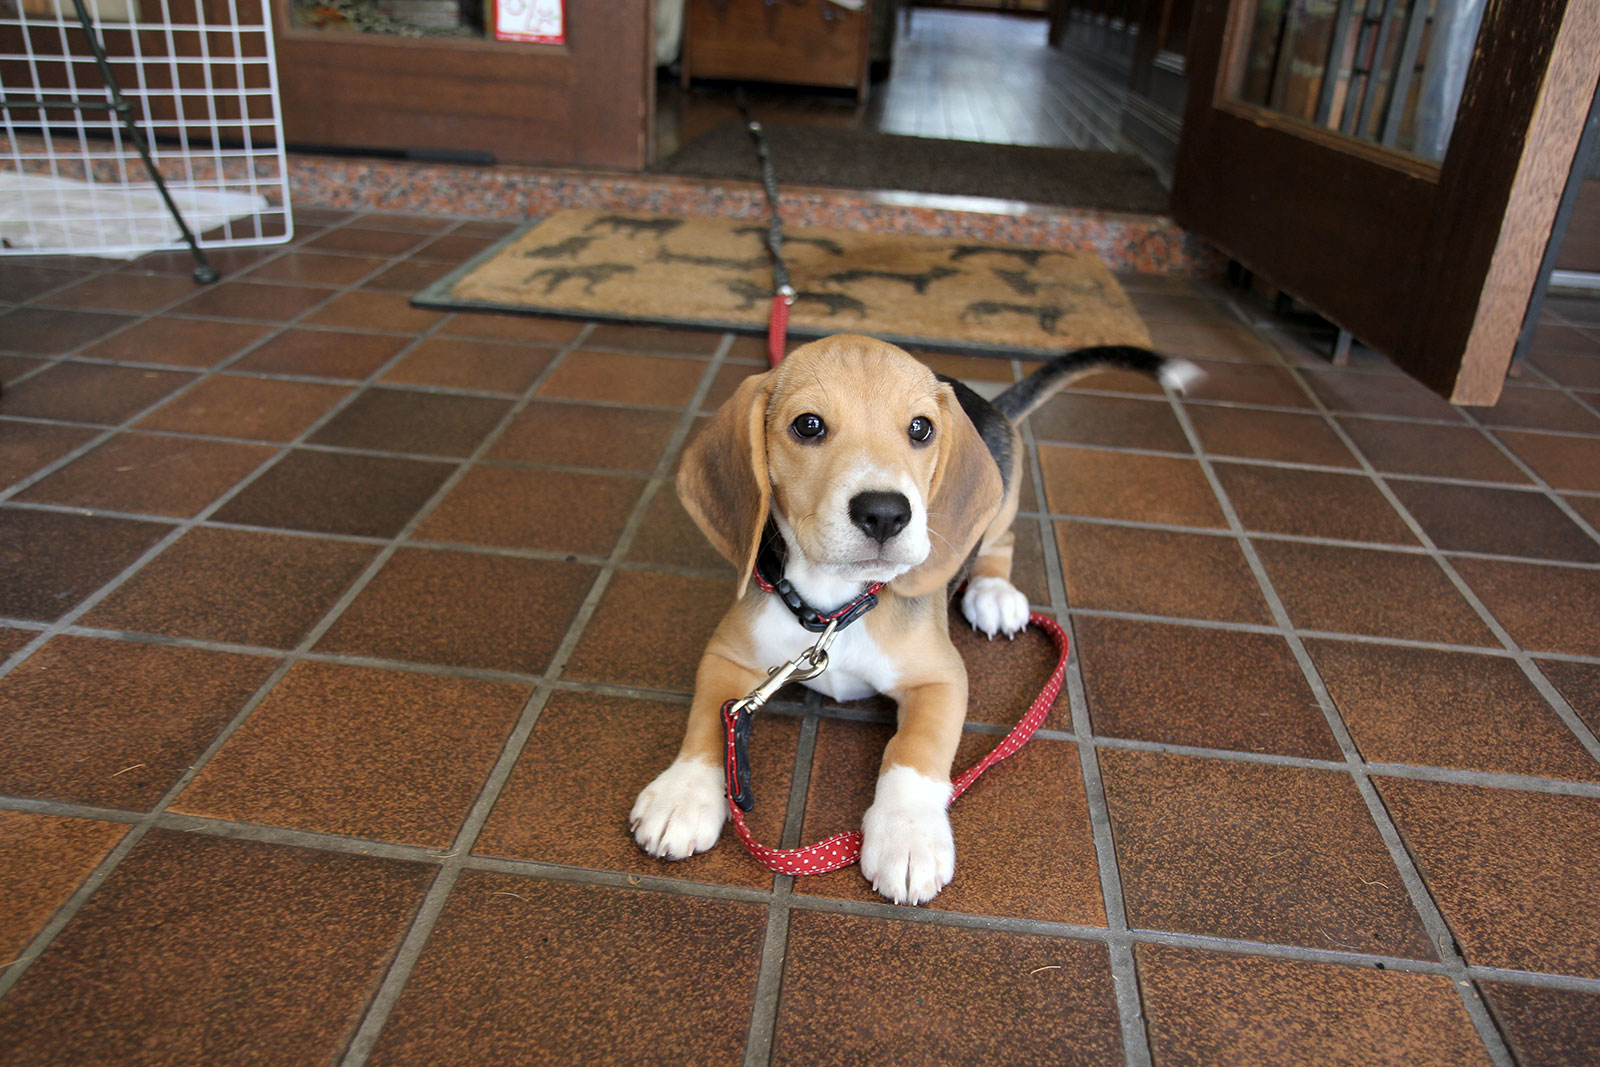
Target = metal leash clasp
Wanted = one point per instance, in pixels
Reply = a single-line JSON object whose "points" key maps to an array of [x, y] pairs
{"points": [[736, 714]]}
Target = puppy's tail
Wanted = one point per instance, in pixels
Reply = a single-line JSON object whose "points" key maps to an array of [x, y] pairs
{"points": [[1017, 402]]}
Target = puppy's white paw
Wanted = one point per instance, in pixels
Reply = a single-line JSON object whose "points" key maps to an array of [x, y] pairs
{"points": [[995, 606], [907, 851], [681, 812]]}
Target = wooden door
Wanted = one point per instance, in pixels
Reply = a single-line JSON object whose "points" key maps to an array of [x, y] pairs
{"points": [[587, 102], [1431, 262]]}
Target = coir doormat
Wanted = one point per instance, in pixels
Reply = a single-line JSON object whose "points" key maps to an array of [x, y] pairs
{"points": [[714, 273]]}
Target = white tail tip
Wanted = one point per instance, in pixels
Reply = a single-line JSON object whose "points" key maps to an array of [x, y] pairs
{"points": [[1179, 374]]}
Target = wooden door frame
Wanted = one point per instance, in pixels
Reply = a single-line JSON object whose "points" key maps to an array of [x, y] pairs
{"points": [[1416, 280]]}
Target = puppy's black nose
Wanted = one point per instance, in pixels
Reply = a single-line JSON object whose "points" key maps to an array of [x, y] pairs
{"points": [[880, 515]]}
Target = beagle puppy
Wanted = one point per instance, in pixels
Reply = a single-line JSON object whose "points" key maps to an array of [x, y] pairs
{"points": [[851, 463]]}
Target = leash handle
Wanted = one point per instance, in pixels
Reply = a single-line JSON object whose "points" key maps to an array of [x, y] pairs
{"points": [[843, 849]]}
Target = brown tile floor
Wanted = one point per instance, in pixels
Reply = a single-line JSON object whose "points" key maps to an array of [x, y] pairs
{"points": [[336, 638]]}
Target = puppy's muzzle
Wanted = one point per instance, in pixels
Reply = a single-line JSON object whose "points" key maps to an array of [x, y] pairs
{"points": [[880, 515]]}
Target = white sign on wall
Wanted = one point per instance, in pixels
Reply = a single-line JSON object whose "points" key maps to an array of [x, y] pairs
{"points": [[533, 21]]}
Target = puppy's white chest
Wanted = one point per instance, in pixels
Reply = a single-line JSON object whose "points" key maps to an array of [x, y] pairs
{"points": [[857, 667]]}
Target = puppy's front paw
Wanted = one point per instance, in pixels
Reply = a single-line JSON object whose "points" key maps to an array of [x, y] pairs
{"points": [[681, 812], [907, 851], [994, 605]]}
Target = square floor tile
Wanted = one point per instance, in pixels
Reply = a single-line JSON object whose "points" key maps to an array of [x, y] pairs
{"points": [[260, 409], [624, 379], [1515, 873], [150, 473], [1211, 340], [1245, 383], [324, 354], [1158, 572], [462, 609], [49, 332], [1341, 507], [395, 220], [314, 268], [1128, 486], [1573, 370], [978, 996], [256, 301], [1535, 407], [654, 339], [1110, 422], [1563, 462], [366, 242], [1108, 381], [967, 368], [1024, 847], [32, 446], [1366, 393], [458, 363], [453, 247], [1547, 1027], [409, 276], [367, 310], [325, 749], [89, 392], [1448, 709], [1586, 506], [669, 537], [1005, 676], [1183, 685], [124, 292], [43, 858], [176, 342], [1549, 336], [1366, 591], [235, 585], [580, 973], [532, 329], [336, 492], [21, 283], [1205, 1007], [726, 383], [50, 560], [200, 949], [13, 368], [1545, 608], [1284, 436], [569, 797], [1506, 522], [1255, 852], [404, 420], [1431, 450], [650, 630], [1579, 683], [553, 511], [115, 723], [582, 435]]}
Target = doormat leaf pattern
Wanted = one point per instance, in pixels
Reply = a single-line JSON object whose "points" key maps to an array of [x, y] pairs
{"points": [[714, 273]]}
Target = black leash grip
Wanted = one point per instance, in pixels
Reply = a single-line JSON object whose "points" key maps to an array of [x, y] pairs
{"points": [[737, 723]]}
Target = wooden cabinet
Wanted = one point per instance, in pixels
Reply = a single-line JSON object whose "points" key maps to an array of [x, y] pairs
{"points": [[798, 42]]}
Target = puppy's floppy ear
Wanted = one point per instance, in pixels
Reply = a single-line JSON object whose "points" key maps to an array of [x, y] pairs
{"points": [[963, 500], [722, 480]]}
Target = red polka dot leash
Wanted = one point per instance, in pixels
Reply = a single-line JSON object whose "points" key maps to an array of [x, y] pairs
{"points": [[843, 849]]}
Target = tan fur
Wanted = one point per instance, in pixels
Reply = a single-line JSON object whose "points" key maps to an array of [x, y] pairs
{"points": [[746, 461]]}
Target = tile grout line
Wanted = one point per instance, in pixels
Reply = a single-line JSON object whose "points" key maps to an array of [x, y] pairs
{"points": [[385, 997], [1524, 659], [103, 870], [182, 526], [1122, 964], [1427, 909]]}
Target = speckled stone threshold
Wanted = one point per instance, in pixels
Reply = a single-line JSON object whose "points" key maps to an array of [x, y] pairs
{"points": [[1146, 244]]}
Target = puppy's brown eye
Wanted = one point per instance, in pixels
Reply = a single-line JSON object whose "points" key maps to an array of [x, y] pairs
{"points": [[920, 430], [808, 426]]}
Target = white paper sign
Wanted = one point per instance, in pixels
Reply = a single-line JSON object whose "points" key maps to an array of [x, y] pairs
{"points": [[534, 21]]}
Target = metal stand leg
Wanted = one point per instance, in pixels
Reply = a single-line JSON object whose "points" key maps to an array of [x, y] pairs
{"points": [[204, 272], [1341, 349]]}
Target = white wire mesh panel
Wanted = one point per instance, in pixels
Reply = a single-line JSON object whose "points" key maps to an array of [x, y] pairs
{"points": [[200, 78]]}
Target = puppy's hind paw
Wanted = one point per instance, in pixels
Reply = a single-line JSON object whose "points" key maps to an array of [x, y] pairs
{"points": [[994, 606], [681, 812]]}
